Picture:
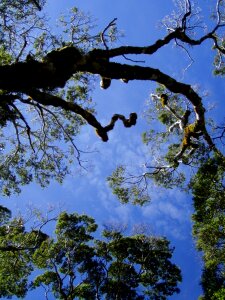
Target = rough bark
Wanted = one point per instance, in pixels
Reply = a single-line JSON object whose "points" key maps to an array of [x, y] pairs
{"points": [[59, 66]]}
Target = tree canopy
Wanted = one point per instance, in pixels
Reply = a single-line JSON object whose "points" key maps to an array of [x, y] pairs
{"points": [[73, 264], [46, 85], [209, 224], [50, 76]]}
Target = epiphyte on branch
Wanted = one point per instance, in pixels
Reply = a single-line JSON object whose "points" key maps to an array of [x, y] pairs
{"points": [[124, 80], [164, 99], [63, 57], [105, 82]]}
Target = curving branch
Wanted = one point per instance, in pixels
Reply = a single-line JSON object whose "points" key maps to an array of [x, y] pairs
{"points": [[179, 33], [190, 131], [60, 65], [27, 126], [111, 24], [102, 131]]}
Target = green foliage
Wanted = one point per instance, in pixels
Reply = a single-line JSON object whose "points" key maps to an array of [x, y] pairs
{"points": [[113, 267], [72, 264], [119, 182], [164, 143], [37, 155], [136, 189], [169, 178], [219, 61], [169, 157], [219, 295], [16, 249], [7, 115], [37, 143], [165, 118], [5, 57], [131, 261], [17, 20], [212, 283], [5, 215], [209, 222]]}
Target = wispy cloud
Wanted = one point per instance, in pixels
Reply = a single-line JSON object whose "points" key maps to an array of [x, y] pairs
{"points": [[170, 213]]}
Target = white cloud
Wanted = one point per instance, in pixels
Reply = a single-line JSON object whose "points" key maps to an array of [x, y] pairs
{"points": [[170, 213]]}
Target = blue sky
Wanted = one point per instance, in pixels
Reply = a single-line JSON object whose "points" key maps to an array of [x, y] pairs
{"points": [[87, 192]]}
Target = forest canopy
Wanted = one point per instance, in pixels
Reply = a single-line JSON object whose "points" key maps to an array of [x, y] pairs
{"points": [[73, 264], [55, 87], [50, 76], [47, 79]]}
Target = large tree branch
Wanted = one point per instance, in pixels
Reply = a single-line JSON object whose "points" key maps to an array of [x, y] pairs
{"points": [[178, 34], [52, 100], [59, 66], [143, 50]]}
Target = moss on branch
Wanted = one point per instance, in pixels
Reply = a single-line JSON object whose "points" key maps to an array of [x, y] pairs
{"points": [[59, 65]]}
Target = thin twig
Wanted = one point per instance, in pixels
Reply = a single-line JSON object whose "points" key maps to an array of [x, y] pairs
{"points": [[102, 35], [135, 61], [28, 129]]}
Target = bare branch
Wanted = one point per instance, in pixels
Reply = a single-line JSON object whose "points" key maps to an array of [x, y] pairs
{"points": [[22, 49], [135, 61], [111, 24], [65, 132], [28, 129], [187, 14], [37, 4]]}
